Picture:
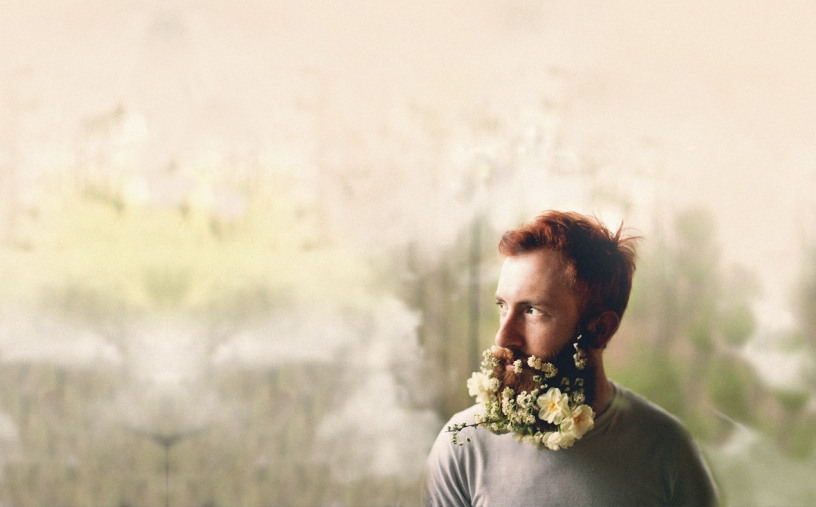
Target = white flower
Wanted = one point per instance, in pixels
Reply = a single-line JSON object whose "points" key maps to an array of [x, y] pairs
{"points": [[580, 361], [517, 366], [508, 406], [557, 440], [549, 370], [489, 360], [481, 386], [579, 357], [541, 438], [523, 410], [554, 406], [580, 420], [525, 399]]}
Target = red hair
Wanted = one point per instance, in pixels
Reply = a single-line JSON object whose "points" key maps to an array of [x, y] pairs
{"points": [[600, 264]]}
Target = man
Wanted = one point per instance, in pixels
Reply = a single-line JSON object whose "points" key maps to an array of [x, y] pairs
{"points": [[563, 287]]}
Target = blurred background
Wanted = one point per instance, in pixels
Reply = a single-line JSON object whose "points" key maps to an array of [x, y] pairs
{"points": [[248, 249]]}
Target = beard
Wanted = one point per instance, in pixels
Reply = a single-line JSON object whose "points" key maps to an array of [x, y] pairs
{"points": [[565, 379]]}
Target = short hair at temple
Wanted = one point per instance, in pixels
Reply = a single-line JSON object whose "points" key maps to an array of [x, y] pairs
{"points": [[600, 264]]}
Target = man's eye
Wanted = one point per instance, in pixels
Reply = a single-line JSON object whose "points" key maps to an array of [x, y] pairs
{"points": [[501, 305], [533, 311]]}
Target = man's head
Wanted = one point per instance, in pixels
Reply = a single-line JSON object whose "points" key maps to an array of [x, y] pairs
{"points": [[564, 274]]}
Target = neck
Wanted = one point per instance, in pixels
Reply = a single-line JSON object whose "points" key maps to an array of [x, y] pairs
{"points": [[603, 389]]}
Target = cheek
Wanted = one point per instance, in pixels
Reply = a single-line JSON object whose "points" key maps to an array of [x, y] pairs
{"points": [[543, 328], [541, 342], [549, 339]]}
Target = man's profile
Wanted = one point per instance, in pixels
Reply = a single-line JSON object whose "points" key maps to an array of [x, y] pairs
{"points": [[563, 287]]}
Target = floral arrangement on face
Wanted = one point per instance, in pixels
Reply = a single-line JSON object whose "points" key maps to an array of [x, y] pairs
{"points": [[531, 400]]}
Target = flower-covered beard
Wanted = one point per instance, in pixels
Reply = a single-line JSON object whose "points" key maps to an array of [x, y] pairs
{"points": [[547, 404], [566, 376]]}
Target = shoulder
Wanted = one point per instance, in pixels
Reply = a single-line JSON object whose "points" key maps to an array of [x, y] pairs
{"points": [[647, 426], [444, 450], [447, 466], [672, 447], [640, 412]]}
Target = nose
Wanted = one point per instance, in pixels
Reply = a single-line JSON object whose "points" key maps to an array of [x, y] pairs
{"points": [[510, 334]]}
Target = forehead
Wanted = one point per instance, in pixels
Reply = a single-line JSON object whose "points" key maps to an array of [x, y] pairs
{"points": [[538, 272]]}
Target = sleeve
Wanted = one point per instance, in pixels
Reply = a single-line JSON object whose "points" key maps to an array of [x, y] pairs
{"points": [[693, 484], [445, 484]]}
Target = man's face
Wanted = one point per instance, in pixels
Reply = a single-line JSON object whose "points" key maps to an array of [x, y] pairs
{"points": [[538, 310]]}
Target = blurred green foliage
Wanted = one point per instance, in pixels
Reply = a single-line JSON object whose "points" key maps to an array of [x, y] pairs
{"points": [[443, 289], [682, 346], [686, 323]]}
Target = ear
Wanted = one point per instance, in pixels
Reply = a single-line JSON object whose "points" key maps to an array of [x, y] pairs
{"points": [[602, 328]]}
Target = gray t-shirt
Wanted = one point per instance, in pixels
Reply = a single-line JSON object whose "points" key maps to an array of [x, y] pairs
{"points": [[637, 454]]}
